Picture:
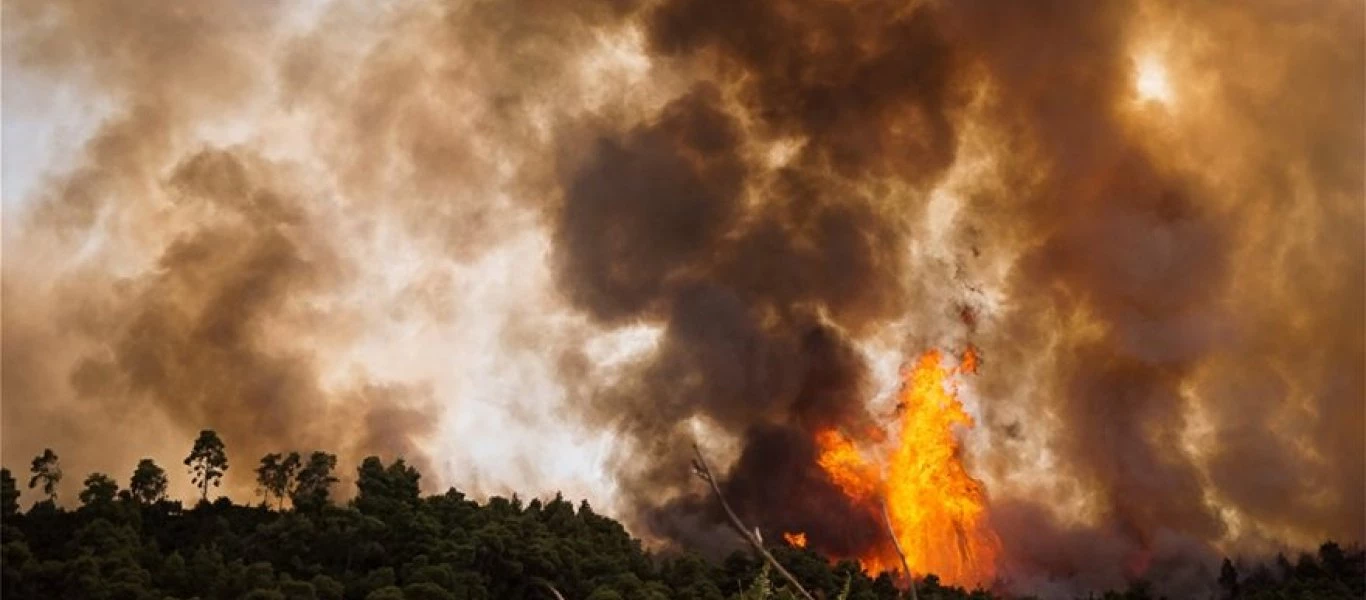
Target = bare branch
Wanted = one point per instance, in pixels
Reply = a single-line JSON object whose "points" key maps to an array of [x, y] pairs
{"points": [[896, 543], [558, 595], [703, 472]]}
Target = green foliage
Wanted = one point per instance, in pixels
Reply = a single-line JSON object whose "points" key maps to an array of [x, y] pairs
{"points": [[388, 592], [760, 589], [605, 593], [382, 489], [426, 590], [208, 460], [844, 591], [47, 472], [391, 542], [1332, 574], [275, 476], [100, 489], [327, 588], [9, 494], [314, 482], [298, 590], [148, 483]]}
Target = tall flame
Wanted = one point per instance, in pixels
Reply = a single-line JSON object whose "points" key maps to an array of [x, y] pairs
{"points": [[938, 510], [845, 465]]}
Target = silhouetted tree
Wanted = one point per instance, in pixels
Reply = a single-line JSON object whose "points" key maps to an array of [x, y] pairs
{"points": [[46, 470], [1284, 567], [208, 460], [382, 487], [314, 482], [1228, 579], [99, 489], [275, 476], [394, 543], [148, 483], [9, 494], [1307, 567], [1261, 577]]}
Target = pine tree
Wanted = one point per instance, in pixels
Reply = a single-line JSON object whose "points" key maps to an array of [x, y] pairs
{"points": [[148, 483], [208, 460], [46, 470], [9, 494]]}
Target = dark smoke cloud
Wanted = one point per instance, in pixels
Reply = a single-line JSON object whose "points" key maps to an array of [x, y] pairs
{"points": [[868, 85], [760, 275], [1168, 298], [1126, 293], [1137, 275]]}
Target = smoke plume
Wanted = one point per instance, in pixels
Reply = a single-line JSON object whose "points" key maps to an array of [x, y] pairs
{"points": [[479, 234]]}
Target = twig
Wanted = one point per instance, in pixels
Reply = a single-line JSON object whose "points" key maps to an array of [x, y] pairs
{"points": [[703, 471], [910, 577], [558, 595]]}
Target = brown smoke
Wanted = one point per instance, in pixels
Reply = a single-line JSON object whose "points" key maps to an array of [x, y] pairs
{"points": [[1167, 292], [1191, 347], [760, 273], [1132, 301], [224, 284]]}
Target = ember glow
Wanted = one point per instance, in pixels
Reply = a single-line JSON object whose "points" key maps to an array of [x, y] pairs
{"points": [[796, 540], [937, 509]]}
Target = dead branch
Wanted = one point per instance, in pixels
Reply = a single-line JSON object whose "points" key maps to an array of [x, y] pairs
{"points": [[703, 471], [896, 543], [558, 595]]}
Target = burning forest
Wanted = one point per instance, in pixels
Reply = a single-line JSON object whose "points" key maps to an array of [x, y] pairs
{"points": [[937, 510], [1044, 298]]}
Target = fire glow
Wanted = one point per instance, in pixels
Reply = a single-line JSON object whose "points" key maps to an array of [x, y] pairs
{"points": [[936, 509]]}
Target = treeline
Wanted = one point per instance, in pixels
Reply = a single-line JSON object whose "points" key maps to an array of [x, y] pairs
{"points": [[389, 542]]}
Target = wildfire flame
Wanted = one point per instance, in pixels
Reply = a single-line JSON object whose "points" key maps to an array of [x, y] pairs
{"points": [[936, 508], [796, 540], [845, 466]]}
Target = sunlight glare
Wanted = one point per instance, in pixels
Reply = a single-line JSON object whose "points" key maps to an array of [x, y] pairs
{"points": [[1153, 84]]}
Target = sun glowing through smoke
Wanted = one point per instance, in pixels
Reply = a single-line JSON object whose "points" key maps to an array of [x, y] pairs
{"points": [[1153, 83]]}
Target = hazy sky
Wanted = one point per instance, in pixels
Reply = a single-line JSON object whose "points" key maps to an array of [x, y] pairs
{"points": [[539, 246], [481, 440]]}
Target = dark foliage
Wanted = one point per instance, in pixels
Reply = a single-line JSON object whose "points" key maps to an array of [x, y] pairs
{"points": [[148, 483], [391, 543], [47, 473], [9, 494], [207, 462]]}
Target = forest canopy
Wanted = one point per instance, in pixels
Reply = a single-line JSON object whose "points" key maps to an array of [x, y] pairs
{"points": [[390, 542]]}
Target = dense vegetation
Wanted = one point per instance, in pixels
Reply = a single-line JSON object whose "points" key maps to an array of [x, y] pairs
{"points": [[391, 543]]}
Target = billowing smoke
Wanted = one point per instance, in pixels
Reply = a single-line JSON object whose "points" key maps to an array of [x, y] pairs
{"points": [[761, 271], [1146, 263], [399, 229], [266, 222]]}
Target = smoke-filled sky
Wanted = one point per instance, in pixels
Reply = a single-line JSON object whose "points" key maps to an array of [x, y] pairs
{"points": [[536, 245]]}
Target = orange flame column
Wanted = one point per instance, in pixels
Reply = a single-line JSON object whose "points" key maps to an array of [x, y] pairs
{"points": [[938, 510]]}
